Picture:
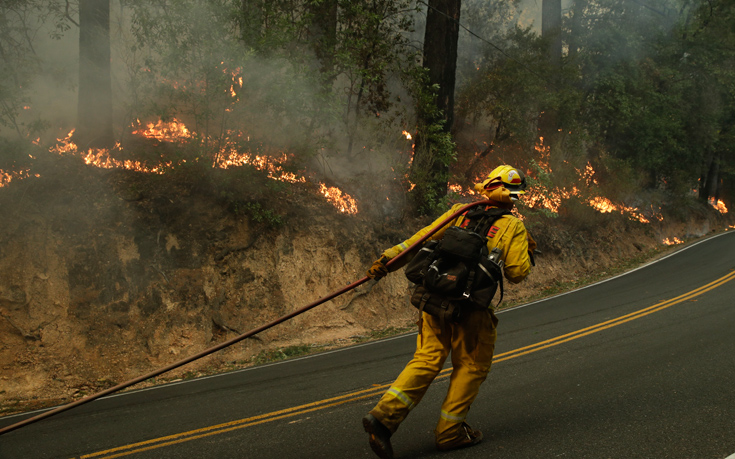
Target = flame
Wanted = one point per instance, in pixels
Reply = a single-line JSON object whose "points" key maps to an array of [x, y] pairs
{"points": [[552, 199], [101, 158], [588, 175], [343, 202], [455, 188], [65, 145], [544, 155], [171, 131], [674, 241], [719, 205], [407, 135], [604, 205], [228, 157], [7, 177], [549, 199]]}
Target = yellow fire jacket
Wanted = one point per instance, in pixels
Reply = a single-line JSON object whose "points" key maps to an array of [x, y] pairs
{"points": [[511, 238]]}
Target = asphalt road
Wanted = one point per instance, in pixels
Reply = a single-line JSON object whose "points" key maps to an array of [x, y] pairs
{"points": [[640, 366]]}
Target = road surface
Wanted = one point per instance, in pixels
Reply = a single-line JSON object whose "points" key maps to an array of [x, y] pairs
{"points": [[639, 366]]}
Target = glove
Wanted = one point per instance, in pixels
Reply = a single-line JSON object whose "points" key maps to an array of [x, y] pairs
{"points": [[378, 270]]}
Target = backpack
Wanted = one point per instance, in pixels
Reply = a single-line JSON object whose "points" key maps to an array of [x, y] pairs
{"points": [[458, 270]]}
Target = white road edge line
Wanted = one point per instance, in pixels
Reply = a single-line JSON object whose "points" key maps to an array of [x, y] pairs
{"points": [[379, 341], [619, 275]]}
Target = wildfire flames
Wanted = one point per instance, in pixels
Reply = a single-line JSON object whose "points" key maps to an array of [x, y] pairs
{"points": [[719, 205], [537, 197], [343, 202], [7, 177], [673, 241], [99, 157], [228, 157], [552, 199], [172, 131]]}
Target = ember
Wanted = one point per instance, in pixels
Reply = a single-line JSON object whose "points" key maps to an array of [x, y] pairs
{"points": [[673, 241]]}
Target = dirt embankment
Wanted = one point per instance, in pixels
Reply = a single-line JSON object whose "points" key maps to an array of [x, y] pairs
{"points": [[105, 275]]}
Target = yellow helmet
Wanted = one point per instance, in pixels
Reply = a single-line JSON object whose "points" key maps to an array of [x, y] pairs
{"points": [[506, 176]]}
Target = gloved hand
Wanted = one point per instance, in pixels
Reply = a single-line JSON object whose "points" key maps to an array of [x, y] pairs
{"points": [[378, 270]]}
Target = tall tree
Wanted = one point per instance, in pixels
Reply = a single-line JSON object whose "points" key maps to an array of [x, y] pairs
{"points": [[250, 21], [576, 27], [323, 35], [440, 52], [94, 116], [430, 169], [551, 30], [551, 33]]}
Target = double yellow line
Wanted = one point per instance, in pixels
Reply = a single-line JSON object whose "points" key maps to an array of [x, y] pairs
{"points": [[379, 389], [613, 322]]}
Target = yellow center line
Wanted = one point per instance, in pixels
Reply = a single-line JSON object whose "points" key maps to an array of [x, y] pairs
{"points": [[613, 322], [367, 393]]}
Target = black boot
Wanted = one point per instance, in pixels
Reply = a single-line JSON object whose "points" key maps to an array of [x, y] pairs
{"points": [[379, 437]]}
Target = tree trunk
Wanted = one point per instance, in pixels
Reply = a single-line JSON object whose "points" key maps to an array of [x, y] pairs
{"points": [[710, 185], [94, 116], [551, 33], [575, 32], [323, 34], [551, 30], [440, 52], [251, 22], [429, 171]]}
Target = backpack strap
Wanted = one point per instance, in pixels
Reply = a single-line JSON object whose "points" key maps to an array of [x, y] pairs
{"points": [[482, 219], [487, 218]]}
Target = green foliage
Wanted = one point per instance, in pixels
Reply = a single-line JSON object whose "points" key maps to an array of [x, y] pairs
{"points": [[186, 61], [648, 87], [262, 215], [503, 89], [434, 151], [652, 95]]}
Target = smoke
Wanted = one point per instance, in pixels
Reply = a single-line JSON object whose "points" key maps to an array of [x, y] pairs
{"points": [[190, 63]]}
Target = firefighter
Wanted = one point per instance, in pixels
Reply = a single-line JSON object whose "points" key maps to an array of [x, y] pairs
{"points": [[471, 341]]}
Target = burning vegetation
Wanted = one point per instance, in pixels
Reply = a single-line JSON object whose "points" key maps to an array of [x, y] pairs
{"points": [[175, 131], [540, 195]]}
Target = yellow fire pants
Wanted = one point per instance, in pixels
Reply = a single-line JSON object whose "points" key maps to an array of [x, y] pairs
{"points": [[471, 342]]}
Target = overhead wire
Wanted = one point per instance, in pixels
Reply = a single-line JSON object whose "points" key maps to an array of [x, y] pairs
{"points": [[483, 39]]}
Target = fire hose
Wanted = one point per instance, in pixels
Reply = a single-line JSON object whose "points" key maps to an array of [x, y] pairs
{"points": [[239, 338]]}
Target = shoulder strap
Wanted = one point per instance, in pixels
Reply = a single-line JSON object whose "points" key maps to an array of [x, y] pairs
{"points": [[480, 220]]}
